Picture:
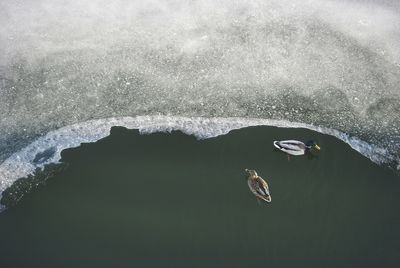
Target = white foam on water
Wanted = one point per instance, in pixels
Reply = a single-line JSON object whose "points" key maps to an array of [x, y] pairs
{"points": [[25, 162], [332, 63]]}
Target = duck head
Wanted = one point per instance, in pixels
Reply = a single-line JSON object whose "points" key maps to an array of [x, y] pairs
{"points": [[251, 172], [312, 144]]}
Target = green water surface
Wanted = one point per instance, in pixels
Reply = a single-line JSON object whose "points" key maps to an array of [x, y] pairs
{"points": [[169, 200]]}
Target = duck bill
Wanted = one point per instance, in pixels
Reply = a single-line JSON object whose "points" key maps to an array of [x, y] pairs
{"points": [[317, 147]]}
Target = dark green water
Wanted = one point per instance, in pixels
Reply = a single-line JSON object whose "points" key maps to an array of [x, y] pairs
{"points": [[169, 200]]}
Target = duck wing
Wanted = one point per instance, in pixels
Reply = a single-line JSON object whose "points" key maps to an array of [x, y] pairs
{"points": [[258, 186], [262, 187], [291, 146]]}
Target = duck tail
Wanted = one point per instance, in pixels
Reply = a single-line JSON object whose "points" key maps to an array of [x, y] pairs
{"points": [[276, 144]]}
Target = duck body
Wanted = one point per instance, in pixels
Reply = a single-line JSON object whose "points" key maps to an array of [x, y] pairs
{"points": [[258, 186], [294, 147]]}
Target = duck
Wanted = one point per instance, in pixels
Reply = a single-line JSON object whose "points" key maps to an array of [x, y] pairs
{"points": [[258, 186], [294, 147]]}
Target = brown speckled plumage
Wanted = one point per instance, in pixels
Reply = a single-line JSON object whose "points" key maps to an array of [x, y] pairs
{"points": [[258, 186]]}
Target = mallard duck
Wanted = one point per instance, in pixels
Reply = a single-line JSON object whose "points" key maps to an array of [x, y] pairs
{"points": [[294, 147], [258, 186]]}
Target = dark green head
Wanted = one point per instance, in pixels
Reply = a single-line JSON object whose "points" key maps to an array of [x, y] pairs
{"points": [[312, 144]]}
